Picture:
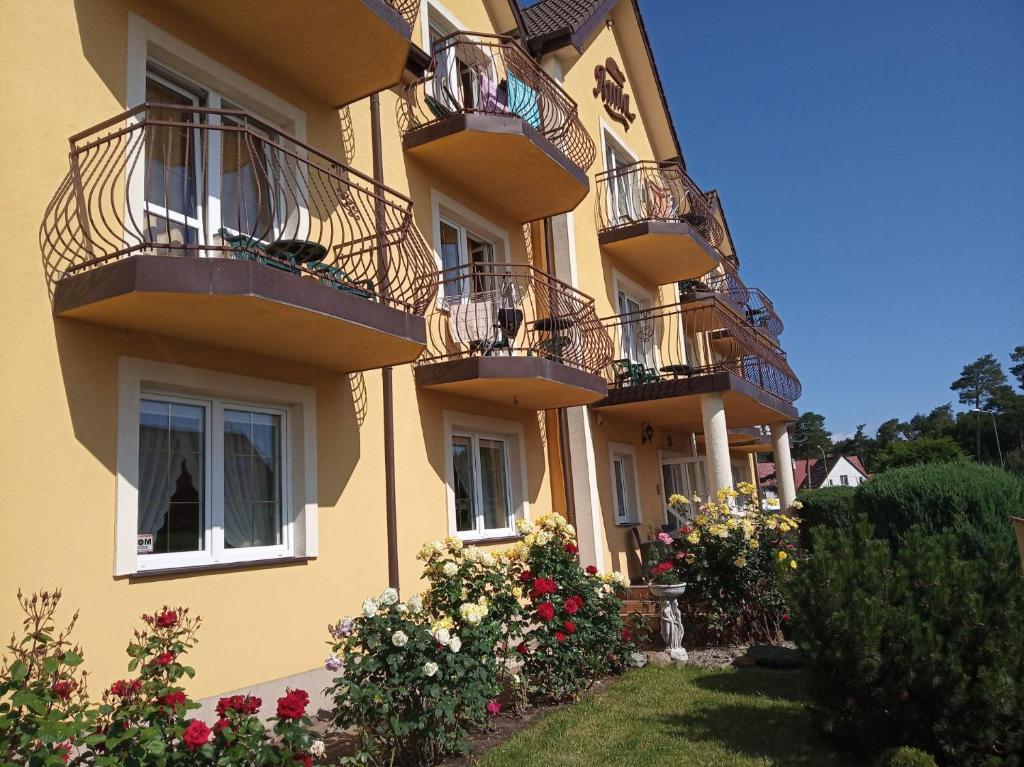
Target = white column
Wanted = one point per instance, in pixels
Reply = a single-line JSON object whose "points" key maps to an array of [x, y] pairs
{"points": [[716, 442], [589, 515], [783, 465]]}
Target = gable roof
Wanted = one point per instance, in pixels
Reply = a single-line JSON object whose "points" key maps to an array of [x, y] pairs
{"points": [[553, 24], [817, 469]]}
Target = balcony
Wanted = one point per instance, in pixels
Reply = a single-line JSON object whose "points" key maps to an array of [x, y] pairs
{"points": [[337, 50], [209, 226], [725, 285], [511, 334], [745, 439], [667, 354], [489, 119], [655, 221]]}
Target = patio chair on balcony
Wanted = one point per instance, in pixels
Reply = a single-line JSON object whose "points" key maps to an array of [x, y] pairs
{"points": [[338, 278], [251, 249], [629, 373]]}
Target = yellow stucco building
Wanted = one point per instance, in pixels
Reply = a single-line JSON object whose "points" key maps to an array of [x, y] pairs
{"points": [[294, 287]]}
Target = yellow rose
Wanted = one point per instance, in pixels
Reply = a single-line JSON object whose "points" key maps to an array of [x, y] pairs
{"points": [[781, 555], [740, 562], [693, 538], [792, 564], [753, 543]]}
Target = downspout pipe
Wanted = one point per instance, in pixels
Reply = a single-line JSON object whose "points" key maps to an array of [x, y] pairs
{"points": [[390, 498]]}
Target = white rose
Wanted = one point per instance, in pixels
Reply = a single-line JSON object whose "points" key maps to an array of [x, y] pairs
{"points": [[442, 635], [401, 608], [388, 596], [399, 639], [318, 749], [450, 568], [429, 668], [369, 608], [415, 603], [487, 558], [454, 644]]}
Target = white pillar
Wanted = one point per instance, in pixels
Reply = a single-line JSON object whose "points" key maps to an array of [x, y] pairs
{"points": [[716, 443], [589, 515], [783, 465]]}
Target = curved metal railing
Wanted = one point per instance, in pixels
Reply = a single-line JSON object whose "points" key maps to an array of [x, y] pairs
{"points": [[654, 191], [724, 281], [190, 181], [761, 313], [498, 309], [474, 73], [680, 341]]}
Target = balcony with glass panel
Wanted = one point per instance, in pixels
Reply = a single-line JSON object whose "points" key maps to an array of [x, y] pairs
{"points": [[487, 117], [656, 222], [211, 226], [338, 50], [512, 334]]}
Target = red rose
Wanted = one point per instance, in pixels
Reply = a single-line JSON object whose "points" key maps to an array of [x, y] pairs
{"points": [[493, 707], [570, 627], [786, 618], [166, 619], [293, 705], [545, 611], [242, 704], [522, 649], [196, 734], [542, 586], [526, 576], [122, 688], [573, 604], [572, 548], [66, 748], [63, 688], [304, 759], [626, 635], [559, 636], [164, 658], [591, 570], [173, 699], [221, 724]]}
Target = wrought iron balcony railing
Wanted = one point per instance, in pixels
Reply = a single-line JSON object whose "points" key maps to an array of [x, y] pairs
{"points": [[654, 191], [473, 73], [680, 341], [191, 181], [407, 9], [761, 313], [726, 283], [498, 309]]}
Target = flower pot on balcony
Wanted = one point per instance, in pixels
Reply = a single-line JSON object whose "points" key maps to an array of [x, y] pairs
{"points": [[671, 618]]}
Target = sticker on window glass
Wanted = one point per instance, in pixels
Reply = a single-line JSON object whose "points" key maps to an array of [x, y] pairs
{"points": [[145, 545]]}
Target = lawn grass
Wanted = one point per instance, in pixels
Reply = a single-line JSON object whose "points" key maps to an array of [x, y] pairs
{"points": [[680, 716]]}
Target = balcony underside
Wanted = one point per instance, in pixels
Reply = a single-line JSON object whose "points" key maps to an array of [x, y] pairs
{"points": [[531, 383], [660, 252], [337, 50], [502, 162], [243, 305], [743, 440], [674, 404]]}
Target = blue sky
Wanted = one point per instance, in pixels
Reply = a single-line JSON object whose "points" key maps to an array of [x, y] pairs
{"points": [[870, 157]]}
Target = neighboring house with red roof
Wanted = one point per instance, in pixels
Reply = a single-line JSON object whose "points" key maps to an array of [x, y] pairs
{"points": [[837, 470]]}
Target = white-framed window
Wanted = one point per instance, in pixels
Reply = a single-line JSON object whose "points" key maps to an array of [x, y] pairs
{"points": [[684, 476], [638, 337], [213, 468], [465, 257], [486, 477], [623, 189], [625, 490], [844, 479]]}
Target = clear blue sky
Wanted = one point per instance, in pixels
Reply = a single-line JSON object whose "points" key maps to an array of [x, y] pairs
{"points": [[870, 156]]}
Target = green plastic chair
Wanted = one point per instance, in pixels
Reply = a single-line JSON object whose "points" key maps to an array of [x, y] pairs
{"points": [[251, 249]]}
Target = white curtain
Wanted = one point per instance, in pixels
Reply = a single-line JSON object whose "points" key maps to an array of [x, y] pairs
{"points": [[252, 458], [462, 462]]}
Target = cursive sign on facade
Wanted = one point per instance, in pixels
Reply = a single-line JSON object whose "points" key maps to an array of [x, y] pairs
{"points": [[610, 87]]}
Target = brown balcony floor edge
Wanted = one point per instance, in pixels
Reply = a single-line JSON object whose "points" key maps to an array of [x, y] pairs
{"points": [[657, 229], [536, 383], [495, 173], [244, 305], [649, 400]]}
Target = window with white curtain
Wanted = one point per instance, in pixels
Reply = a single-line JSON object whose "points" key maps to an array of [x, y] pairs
{"points": [[480, 484], [212, 479], [624, 484]]}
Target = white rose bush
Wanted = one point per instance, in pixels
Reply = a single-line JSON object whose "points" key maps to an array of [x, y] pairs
{"points": [[417, 677]]}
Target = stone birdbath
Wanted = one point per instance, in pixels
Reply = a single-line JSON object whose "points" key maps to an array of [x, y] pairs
{"points": [[671, 618]]}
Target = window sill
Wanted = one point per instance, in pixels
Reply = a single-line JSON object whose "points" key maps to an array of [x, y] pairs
{"points": [[186, 570], [627, 524], [480, 540]]}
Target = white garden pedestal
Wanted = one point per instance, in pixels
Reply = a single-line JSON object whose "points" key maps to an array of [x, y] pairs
{"points": [[671, 618]]}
